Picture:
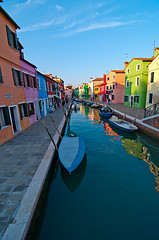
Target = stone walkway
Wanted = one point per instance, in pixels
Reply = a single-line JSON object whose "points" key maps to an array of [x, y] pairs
{"points": [[19, 160]]}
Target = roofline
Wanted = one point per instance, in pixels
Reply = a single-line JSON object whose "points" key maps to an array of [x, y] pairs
{"points": [[8, 17], [28, 62], [142, 59]]}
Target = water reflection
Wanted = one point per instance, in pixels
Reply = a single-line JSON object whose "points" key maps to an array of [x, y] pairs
{"points": [[132, 142], [73, 180]]}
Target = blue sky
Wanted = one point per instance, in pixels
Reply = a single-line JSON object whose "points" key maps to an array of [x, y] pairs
{"points": [[79, 39]]}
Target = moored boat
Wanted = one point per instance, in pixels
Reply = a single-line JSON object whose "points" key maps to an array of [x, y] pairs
{"points": [[72, 151], [94, 105], [106, 112], [122, 124]]}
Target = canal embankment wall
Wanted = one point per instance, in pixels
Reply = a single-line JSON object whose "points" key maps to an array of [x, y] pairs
{"points": [[19, 220]]}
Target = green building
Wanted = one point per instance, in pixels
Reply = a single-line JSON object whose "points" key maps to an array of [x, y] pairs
{"points": [[136, 80], [76, 92], [86, 91]]}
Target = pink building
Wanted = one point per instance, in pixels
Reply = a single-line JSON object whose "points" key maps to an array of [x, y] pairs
{"points": [[29, 76]]}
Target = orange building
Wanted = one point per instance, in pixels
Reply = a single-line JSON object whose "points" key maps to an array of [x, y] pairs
{"points": [[115, 86], [13, 109]]}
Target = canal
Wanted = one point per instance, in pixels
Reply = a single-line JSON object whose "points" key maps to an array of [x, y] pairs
{"points": [[113, 195]]}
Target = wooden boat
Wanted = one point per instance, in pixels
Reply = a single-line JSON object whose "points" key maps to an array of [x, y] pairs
{"points": [[105, 112], [94, 105], [122, 124], [71, 151]]}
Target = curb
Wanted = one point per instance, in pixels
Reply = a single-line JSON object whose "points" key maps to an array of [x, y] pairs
{"points": [[21, 222]]}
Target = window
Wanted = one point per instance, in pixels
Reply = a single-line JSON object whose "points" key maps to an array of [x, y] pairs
{"points": [[114, 76], [41, 104], [4, 117], [114, 85], [137, 67], [1, 79], [136, 99], [108, 78], [30, 108], [112, 97], [17, 77], [23, 110], [110, 87], [150, 97], [152, 77], [12, 38], [128, 70], [107, 87], [34, 82], [38, 83], [47, 86], [137, 81], [127, 83], [126, 98], [50, 87]]}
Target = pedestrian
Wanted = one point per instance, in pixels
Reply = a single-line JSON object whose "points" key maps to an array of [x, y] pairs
{"points": [[55, 105], [109, 101]]}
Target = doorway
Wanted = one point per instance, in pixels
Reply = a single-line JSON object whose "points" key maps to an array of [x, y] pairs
{"points": [[14, 119]]}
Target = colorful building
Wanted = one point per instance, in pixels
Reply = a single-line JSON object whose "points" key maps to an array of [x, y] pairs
{"points": [[115, 86], [51, 92], [86, 93], [153, 81], [61, 91], [13, 108], [43, 97], [136, 80], [94, 83], [29, 76], [102, 90]]}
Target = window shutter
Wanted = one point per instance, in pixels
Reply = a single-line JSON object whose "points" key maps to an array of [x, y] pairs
{"points": [[16, 41], [20, 78], [8, 34], [1, 79], [14, 76], [6, 116], [20, 106], [25, 109]]}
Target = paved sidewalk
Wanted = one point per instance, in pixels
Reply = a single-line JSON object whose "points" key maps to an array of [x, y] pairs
{"points": [[19, 160]]}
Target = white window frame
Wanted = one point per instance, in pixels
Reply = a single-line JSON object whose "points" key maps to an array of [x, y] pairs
{"points": [[149, 98], [138, 67], [137, 85], [128, 70], [134, 99]]}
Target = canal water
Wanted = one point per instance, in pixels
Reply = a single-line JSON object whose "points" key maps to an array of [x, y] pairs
{"points": [[114, 193]]}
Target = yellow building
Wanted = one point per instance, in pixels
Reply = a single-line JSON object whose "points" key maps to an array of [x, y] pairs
{"points": [[96, 92], [153, 81]]}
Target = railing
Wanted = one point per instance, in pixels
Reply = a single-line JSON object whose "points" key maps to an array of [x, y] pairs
{"points": [[152, 110]]}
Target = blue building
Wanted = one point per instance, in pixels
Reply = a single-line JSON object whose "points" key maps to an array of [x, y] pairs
{"points": [[43, 97]]}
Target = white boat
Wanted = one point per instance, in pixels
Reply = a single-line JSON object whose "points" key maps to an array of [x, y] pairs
{"points": [[94, 105], [75, 106], [122, 124]]}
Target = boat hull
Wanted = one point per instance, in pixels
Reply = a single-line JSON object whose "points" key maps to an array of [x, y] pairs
{"points": [[71, 152], [105, 114], [121, 127]]}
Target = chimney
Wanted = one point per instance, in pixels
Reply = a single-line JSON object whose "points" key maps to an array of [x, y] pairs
{"points": [[156, 50], [126, 64]]}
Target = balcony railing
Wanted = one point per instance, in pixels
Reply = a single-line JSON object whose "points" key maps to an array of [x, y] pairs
{"points": [[152, 110]]}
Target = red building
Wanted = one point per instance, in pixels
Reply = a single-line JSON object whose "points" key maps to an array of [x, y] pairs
{"points": [[102, 90], [51, 91]]}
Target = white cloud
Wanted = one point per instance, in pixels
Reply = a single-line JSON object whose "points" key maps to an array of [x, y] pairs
{"points": [[59, 8], [23, 4]]}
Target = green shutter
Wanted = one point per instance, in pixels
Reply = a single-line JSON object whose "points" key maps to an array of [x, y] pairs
{"points": [[16, 41], [14, 76], [25, 109], [20, 111], [8, 34], [20, 78], [1, 79], [6, 116]]}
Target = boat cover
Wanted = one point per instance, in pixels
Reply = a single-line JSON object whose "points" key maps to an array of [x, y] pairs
{"points": [[71, 152]]}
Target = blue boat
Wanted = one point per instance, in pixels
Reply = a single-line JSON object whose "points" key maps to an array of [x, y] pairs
{"points": [[72, 150], [106, 113]]}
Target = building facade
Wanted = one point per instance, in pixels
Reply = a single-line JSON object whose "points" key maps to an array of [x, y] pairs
{"points": [[13, 109], [43, 97], [136, 80]]}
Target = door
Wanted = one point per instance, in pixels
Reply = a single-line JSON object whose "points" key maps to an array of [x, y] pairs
{"points": [[131, 100], [44, 103], [14, 119]]}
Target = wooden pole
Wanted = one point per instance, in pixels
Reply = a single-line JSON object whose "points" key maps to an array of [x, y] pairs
{"points": [[50, 135], [56, 127]]}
